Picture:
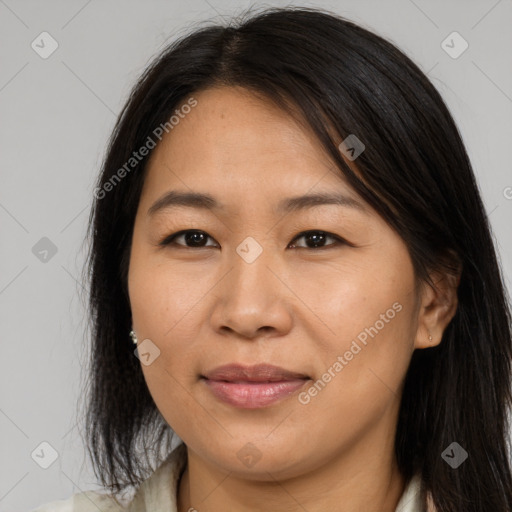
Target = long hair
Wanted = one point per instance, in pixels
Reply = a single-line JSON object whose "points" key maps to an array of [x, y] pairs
{"points": [[340, 79]]}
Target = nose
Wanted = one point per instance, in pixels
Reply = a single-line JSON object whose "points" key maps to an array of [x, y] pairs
{"points": [[252, 299]]}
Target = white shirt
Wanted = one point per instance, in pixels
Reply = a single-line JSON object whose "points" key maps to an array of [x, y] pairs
{"points": [[159, 493]]}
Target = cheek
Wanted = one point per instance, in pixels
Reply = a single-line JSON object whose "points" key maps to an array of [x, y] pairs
{"points": [[175, 329], [357, 296], [369, 317], [166, 312], [363, 366], [162, 303], [163, 296]]}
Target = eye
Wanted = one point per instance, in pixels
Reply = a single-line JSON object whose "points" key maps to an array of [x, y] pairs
{"points": [[192, 236], [318, 238]]}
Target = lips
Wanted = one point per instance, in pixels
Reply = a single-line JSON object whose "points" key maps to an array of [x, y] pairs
{"points": [[256, 373], [252, 387]]}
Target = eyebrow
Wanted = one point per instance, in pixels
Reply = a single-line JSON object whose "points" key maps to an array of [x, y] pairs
{"points": [[175, 198]]}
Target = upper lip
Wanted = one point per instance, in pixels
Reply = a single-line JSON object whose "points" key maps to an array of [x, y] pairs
{"points": [[255, 373]]}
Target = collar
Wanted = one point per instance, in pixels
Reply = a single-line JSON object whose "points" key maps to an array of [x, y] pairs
{"points": [[411, 497]]}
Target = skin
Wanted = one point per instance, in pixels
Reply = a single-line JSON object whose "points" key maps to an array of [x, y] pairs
{"points": [[293, 307]]}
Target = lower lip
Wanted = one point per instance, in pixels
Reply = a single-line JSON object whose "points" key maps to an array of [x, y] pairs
{"points": [[253, 395]]}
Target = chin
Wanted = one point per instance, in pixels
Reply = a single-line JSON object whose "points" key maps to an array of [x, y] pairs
{"points": [[261, 459]]}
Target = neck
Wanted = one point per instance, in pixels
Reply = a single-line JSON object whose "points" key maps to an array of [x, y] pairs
{"points": [[364, 478]]}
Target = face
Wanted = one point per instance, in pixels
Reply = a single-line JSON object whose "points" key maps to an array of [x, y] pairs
{"points": [[325, 292]]}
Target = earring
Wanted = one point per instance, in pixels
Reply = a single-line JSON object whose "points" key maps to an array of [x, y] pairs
{"points": [[133, 336]]}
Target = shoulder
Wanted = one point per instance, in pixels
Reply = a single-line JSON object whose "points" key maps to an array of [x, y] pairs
{"points": [[158, 491], [88, 501]]}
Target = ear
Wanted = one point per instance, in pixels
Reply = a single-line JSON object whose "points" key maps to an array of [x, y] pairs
{"points": [[437, 308]]}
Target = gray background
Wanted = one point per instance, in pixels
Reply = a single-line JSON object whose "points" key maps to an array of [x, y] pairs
{"points": [[57, 114]]}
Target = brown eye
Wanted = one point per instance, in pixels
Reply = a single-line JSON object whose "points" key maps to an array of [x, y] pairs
{"points": [[317, 239], [192, 239]]}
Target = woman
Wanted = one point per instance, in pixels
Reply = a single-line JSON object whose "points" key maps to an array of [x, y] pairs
{"points": [[288, 226]]}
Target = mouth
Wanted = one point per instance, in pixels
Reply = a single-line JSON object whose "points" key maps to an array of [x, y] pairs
{"points": [[252, 387]]}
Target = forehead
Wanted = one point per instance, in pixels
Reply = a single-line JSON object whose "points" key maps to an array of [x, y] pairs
{"points": [[235, 144]]}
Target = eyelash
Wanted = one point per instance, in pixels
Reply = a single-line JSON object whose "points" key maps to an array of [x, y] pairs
{"points": [[170, 239]]}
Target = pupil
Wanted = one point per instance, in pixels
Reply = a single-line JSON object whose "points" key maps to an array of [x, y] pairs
{"points": [[190, 237], [317, 238]]}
